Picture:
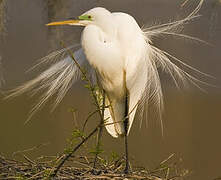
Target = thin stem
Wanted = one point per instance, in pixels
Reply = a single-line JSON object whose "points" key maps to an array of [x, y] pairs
{"points": [[100, 130], [84, 74], [92, 89], [88, 117], [67, 156]]}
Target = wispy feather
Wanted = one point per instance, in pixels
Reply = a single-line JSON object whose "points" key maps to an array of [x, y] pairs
{"points": [[63, 72], [160, 59], [57, 79]]}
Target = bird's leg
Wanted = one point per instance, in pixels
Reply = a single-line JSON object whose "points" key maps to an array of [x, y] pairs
{"points": [[98, 145], [126, 170], [100, 130]]}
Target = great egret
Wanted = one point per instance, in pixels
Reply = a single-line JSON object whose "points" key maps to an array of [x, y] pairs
{"points": [[124, 60]]}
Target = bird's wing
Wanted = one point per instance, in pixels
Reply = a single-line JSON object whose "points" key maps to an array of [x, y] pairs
{"points": [[57, 79], [143, 87], [142, 79], [135, 84]]}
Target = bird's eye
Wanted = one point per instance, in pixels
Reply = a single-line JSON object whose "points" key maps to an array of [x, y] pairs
{"points": [[89, 17]]}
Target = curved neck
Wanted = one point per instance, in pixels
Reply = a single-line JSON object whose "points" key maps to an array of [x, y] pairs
{"points": [[107, 25]]}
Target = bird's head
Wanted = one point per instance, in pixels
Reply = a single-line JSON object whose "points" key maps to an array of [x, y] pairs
{"points": [[93, 16]]}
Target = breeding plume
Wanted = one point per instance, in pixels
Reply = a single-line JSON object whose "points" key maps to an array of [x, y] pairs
{"points": [[120, 56]]}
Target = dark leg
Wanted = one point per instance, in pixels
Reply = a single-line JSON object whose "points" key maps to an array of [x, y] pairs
{"points": [[100, 131], [98, 145], [126, 170]]}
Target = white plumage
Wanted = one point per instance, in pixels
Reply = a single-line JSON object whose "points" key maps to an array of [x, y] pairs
{"points": [[123, 60], [117, 49]]}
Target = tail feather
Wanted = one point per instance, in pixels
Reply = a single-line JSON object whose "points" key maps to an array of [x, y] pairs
{"points": [[57, 79], [63, 73], [157, 58], [174, 26], [148, 89]]}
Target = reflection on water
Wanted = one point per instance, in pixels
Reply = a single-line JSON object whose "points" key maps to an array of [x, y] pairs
{"points": [[192, 119]]}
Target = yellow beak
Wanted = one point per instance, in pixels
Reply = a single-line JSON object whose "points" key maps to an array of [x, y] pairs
{"points": [[67, 22]]}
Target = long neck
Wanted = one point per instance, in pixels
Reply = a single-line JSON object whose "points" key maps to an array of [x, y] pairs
{"points": [[92, 41], [107, 25], [95, 35]]}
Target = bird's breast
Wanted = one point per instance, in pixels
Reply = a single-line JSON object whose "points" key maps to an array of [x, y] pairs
{"points": [[105, 55]]}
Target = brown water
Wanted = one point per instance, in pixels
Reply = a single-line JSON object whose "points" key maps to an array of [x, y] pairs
{"points": [[192, 119]]}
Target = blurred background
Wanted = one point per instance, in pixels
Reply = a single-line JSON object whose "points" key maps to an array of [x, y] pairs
{"points": [[192, 118]]}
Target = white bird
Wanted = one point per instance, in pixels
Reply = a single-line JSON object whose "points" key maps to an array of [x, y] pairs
{"points": [[124, 60]]}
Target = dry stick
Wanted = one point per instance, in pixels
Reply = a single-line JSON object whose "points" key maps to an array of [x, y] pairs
{"points": [[67, 156]]}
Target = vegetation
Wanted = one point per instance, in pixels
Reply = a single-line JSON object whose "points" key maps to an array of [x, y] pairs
{"points": [[81, 167], [88, 165]]}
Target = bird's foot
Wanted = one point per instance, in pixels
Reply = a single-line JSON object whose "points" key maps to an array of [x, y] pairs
{"points": [[95, 172], [126, 170]]}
